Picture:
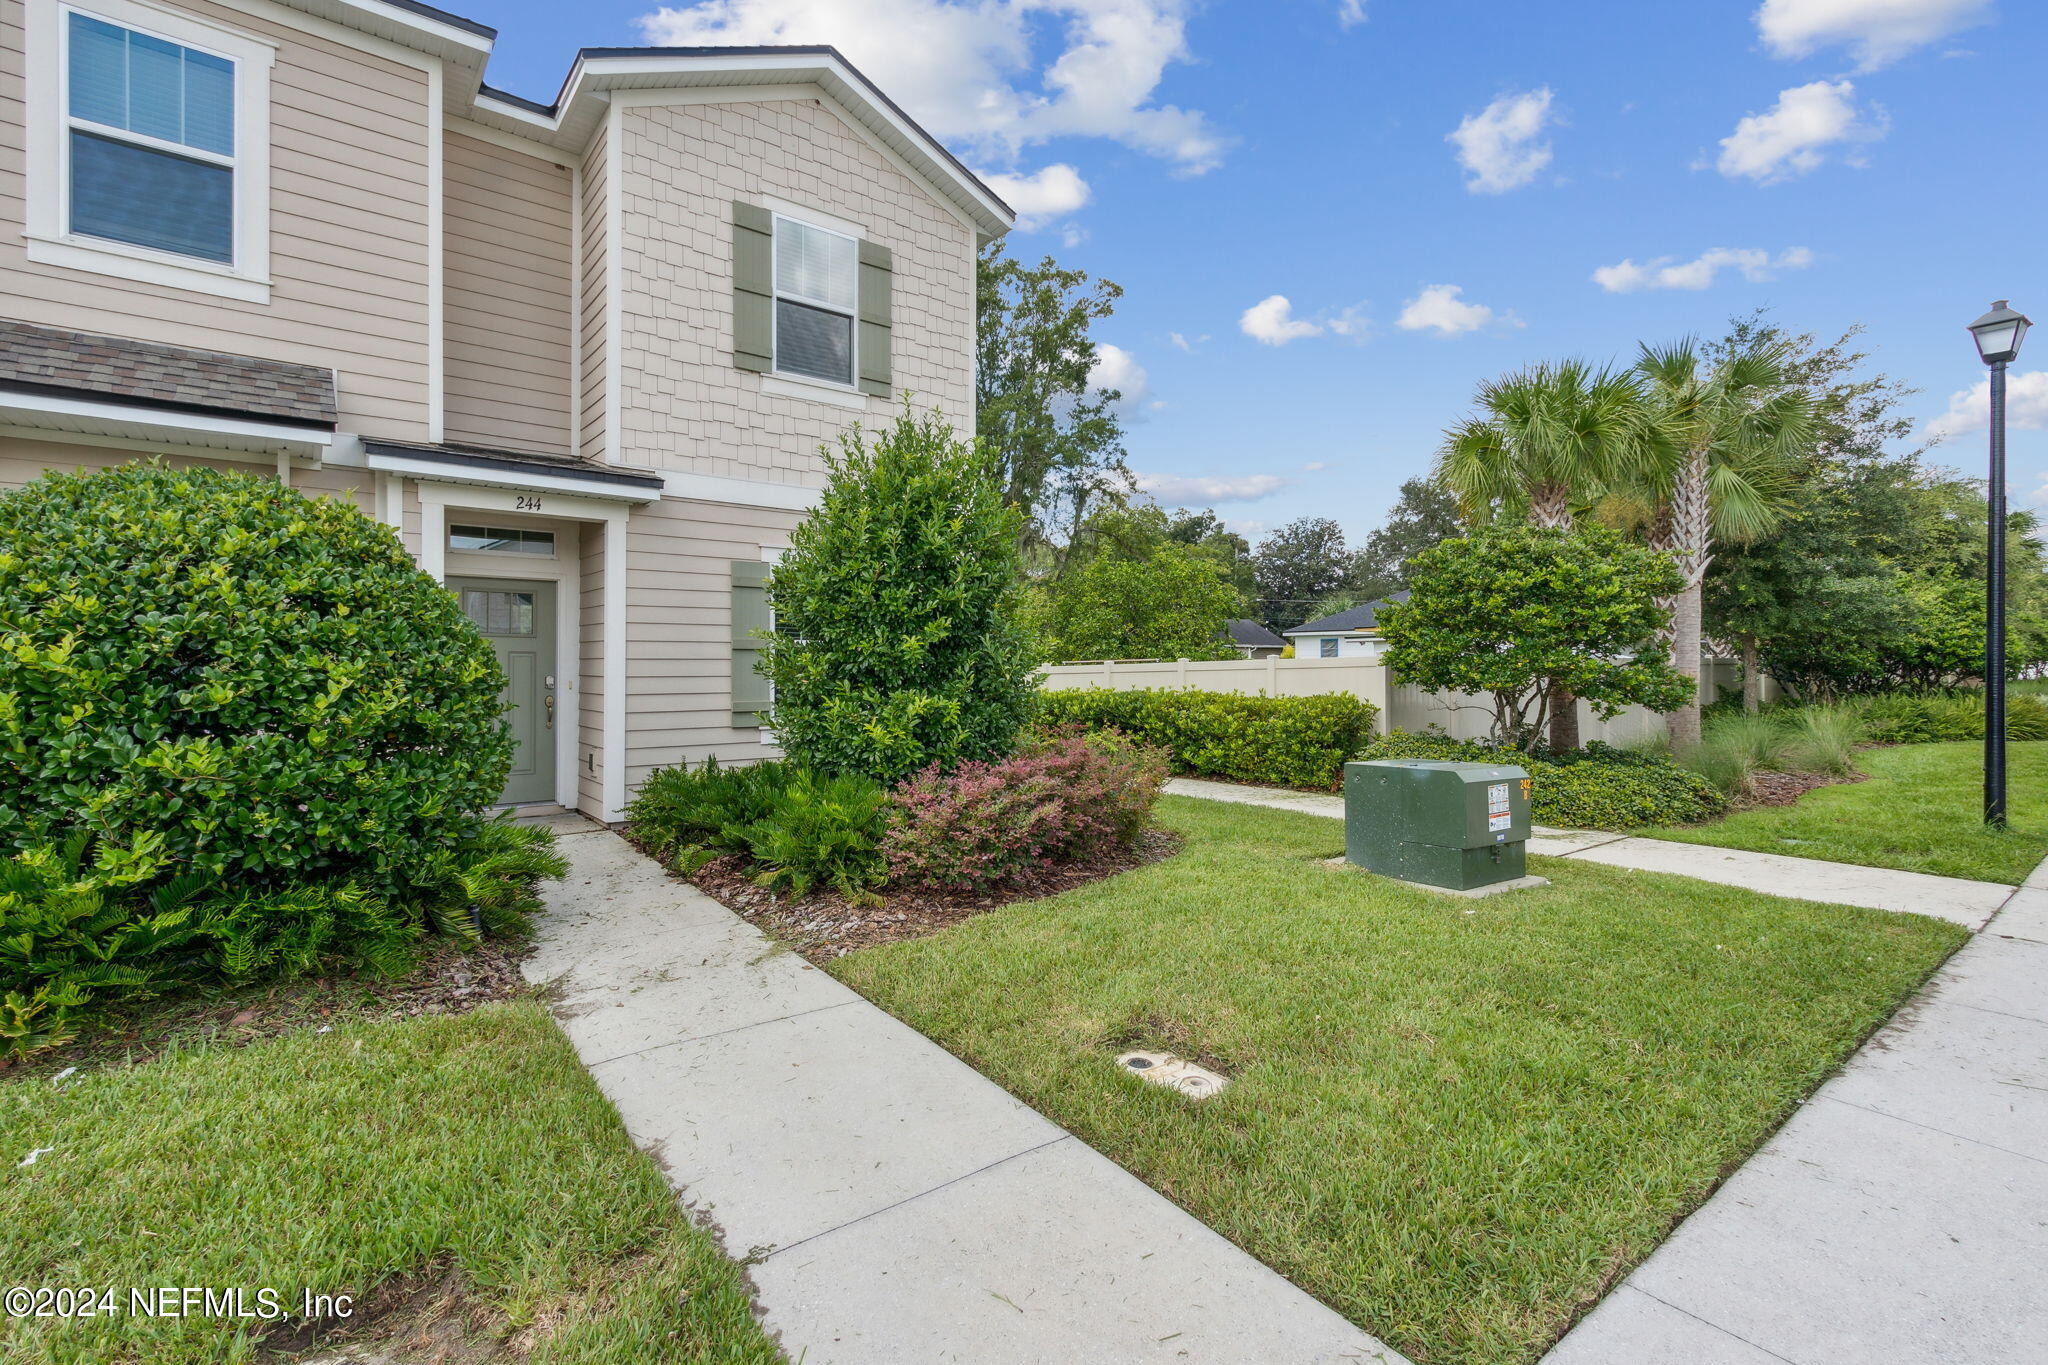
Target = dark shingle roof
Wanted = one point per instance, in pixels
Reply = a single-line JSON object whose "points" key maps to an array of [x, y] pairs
{"points": [[1358, 618], [484, 457], [118, 370], [1251, 635]]}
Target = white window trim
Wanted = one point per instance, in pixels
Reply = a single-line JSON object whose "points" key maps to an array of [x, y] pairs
{"points": [[776, 294], [49, 238]]}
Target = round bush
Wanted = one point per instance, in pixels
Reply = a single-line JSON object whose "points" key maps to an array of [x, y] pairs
{"points": [[262, 681], [1597, 787]]}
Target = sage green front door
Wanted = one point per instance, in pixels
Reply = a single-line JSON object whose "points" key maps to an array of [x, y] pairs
{"points": [[518, 618]]}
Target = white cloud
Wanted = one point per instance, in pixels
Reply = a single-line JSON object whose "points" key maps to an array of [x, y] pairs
{"points": [[2026, 407], [1439, 309], [1668, 272], [966, 69], [1116, 368], [1271, 320], [1878, 32], [1499, 146], [1046, 195], [1189, 490], [1789, 140], [1350, 13]]}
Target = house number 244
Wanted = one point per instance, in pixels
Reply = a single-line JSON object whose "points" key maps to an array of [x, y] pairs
{"points": [[526, 504]]}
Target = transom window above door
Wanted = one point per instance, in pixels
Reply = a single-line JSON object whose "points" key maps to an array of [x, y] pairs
{"points": [[509, 540], [817, 292]]}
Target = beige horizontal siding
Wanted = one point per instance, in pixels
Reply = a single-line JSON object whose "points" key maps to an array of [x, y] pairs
{"points": [[348, 231], [23, 460], [591, 435], [510, 287], [679, 630]]}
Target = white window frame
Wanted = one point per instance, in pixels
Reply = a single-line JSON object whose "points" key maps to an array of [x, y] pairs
{"points": [[50, 240], [1330, 647], [776, 294]]}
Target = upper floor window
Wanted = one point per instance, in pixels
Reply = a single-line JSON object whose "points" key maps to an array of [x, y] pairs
{"points": [[151, 141], [817, 293], [1329, 648], [148, 146]]}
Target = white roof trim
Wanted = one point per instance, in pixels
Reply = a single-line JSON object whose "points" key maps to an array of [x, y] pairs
{"points": [[154, 425], [593, 79]]}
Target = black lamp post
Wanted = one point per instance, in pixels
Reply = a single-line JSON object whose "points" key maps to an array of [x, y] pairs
{"points": [[1998, 334]]}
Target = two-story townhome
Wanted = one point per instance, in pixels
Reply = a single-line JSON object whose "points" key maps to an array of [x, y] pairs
{"points": [[580, 355]]}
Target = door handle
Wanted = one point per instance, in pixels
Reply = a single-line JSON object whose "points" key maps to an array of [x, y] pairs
{"points": [[549, 703]]}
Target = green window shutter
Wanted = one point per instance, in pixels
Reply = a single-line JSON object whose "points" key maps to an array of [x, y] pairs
{"points": [[750, 694], [877, 278], [753, 287]]}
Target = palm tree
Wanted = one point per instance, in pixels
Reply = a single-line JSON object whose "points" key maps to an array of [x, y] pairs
{"points": [[1720, 470], [1545, 439]]}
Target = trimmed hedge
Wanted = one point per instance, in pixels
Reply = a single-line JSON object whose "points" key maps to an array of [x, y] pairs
{"points": [[1279, 741], [1597, 787]]}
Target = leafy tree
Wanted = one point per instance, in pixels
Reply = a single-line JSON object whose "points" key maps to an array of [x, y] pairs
{"points": [[896, 641], [1206, 532], [1526, 614], [1719, 469], [1056, 445], [1297, 566], [1545, 440], [1141, 583], [1426, 514]]}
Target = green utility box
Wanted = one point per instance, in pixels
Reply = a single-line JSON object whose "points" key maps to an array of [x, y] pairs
{"points": [[1457, 825]]}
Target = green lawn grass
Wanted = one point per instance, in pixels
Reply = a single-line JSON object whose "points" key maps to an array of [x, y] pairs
{"points": [[1457, 1122], [472, 1143], [1922, 810]]}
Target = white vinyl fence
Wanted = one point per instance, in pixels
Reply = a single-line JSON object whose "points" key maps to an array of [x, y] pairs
{"points": [[1402, 706]]}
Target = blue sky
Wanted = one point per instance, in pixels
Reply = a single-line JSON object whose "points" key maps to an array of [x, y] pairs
{"points": [[1432, 185]]}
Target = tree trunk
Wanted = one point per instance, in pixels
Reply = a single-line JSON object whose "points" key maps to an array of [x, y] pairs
{"points": [[1564, 720], [1550, 506], [1692, 549], [1752, 681]]}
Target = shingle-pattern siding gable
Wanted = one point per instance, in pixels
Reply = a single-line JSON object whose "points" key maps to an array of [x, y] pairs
{"points": [[121, 370]]}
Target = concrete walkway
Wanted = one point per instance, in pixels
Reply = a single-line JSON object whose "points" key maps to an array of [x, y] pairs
{"points": [[897, 1206], [1902, 1214], [1968, 903]]}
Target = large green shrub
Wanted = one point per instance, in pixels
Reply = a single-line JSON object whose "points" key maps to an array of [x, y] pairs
{"points": [[798, 827], [1281, 741], [264, 682], [896, 641], [1598, 787]]}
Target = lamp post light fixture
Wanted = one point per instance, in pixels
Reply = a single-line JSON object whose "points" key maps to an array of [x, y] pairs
{"points": [[1998, 335]]}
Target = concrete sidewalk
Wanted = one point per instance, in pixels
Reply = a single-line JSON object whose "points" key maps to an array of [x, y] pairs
{"points": [[1902, 1213], [896, 1204], [1968, 903]]}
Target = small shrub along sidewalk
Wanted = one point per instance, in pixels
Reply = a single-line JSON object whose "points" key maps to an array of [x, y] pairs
{"points": [[1920, 810], [1458, 1123], [459, 1177]]}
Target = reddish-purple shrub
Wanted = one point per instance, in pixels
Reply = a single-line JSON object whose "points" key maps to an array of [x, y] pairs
{"points": [[1058, 798]]}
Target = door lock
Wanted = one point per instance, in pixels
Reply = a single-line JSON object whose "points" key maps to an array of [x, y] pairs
{"points": [[548, 702]]}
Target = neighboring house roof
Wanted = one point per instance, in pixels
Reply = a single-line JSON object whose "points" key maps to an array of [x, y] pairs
{"points": [[52, 361], [1251, 635], [481, 458], [1358, 618]]}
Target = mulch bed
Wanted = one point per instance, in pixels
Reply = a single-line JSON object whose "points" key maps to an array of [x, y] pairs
{"points": [[446, 980], [826, 925], [1782, 789]]}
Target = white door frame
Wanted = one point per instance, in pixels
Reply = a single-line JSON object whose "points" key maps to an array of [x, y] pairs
{"points": [[435, 501]]}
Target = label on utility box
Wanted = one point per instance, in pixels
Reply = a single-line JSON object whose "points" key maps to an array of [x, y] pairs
{"points": [[1499, 821], [1497, 800]]}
